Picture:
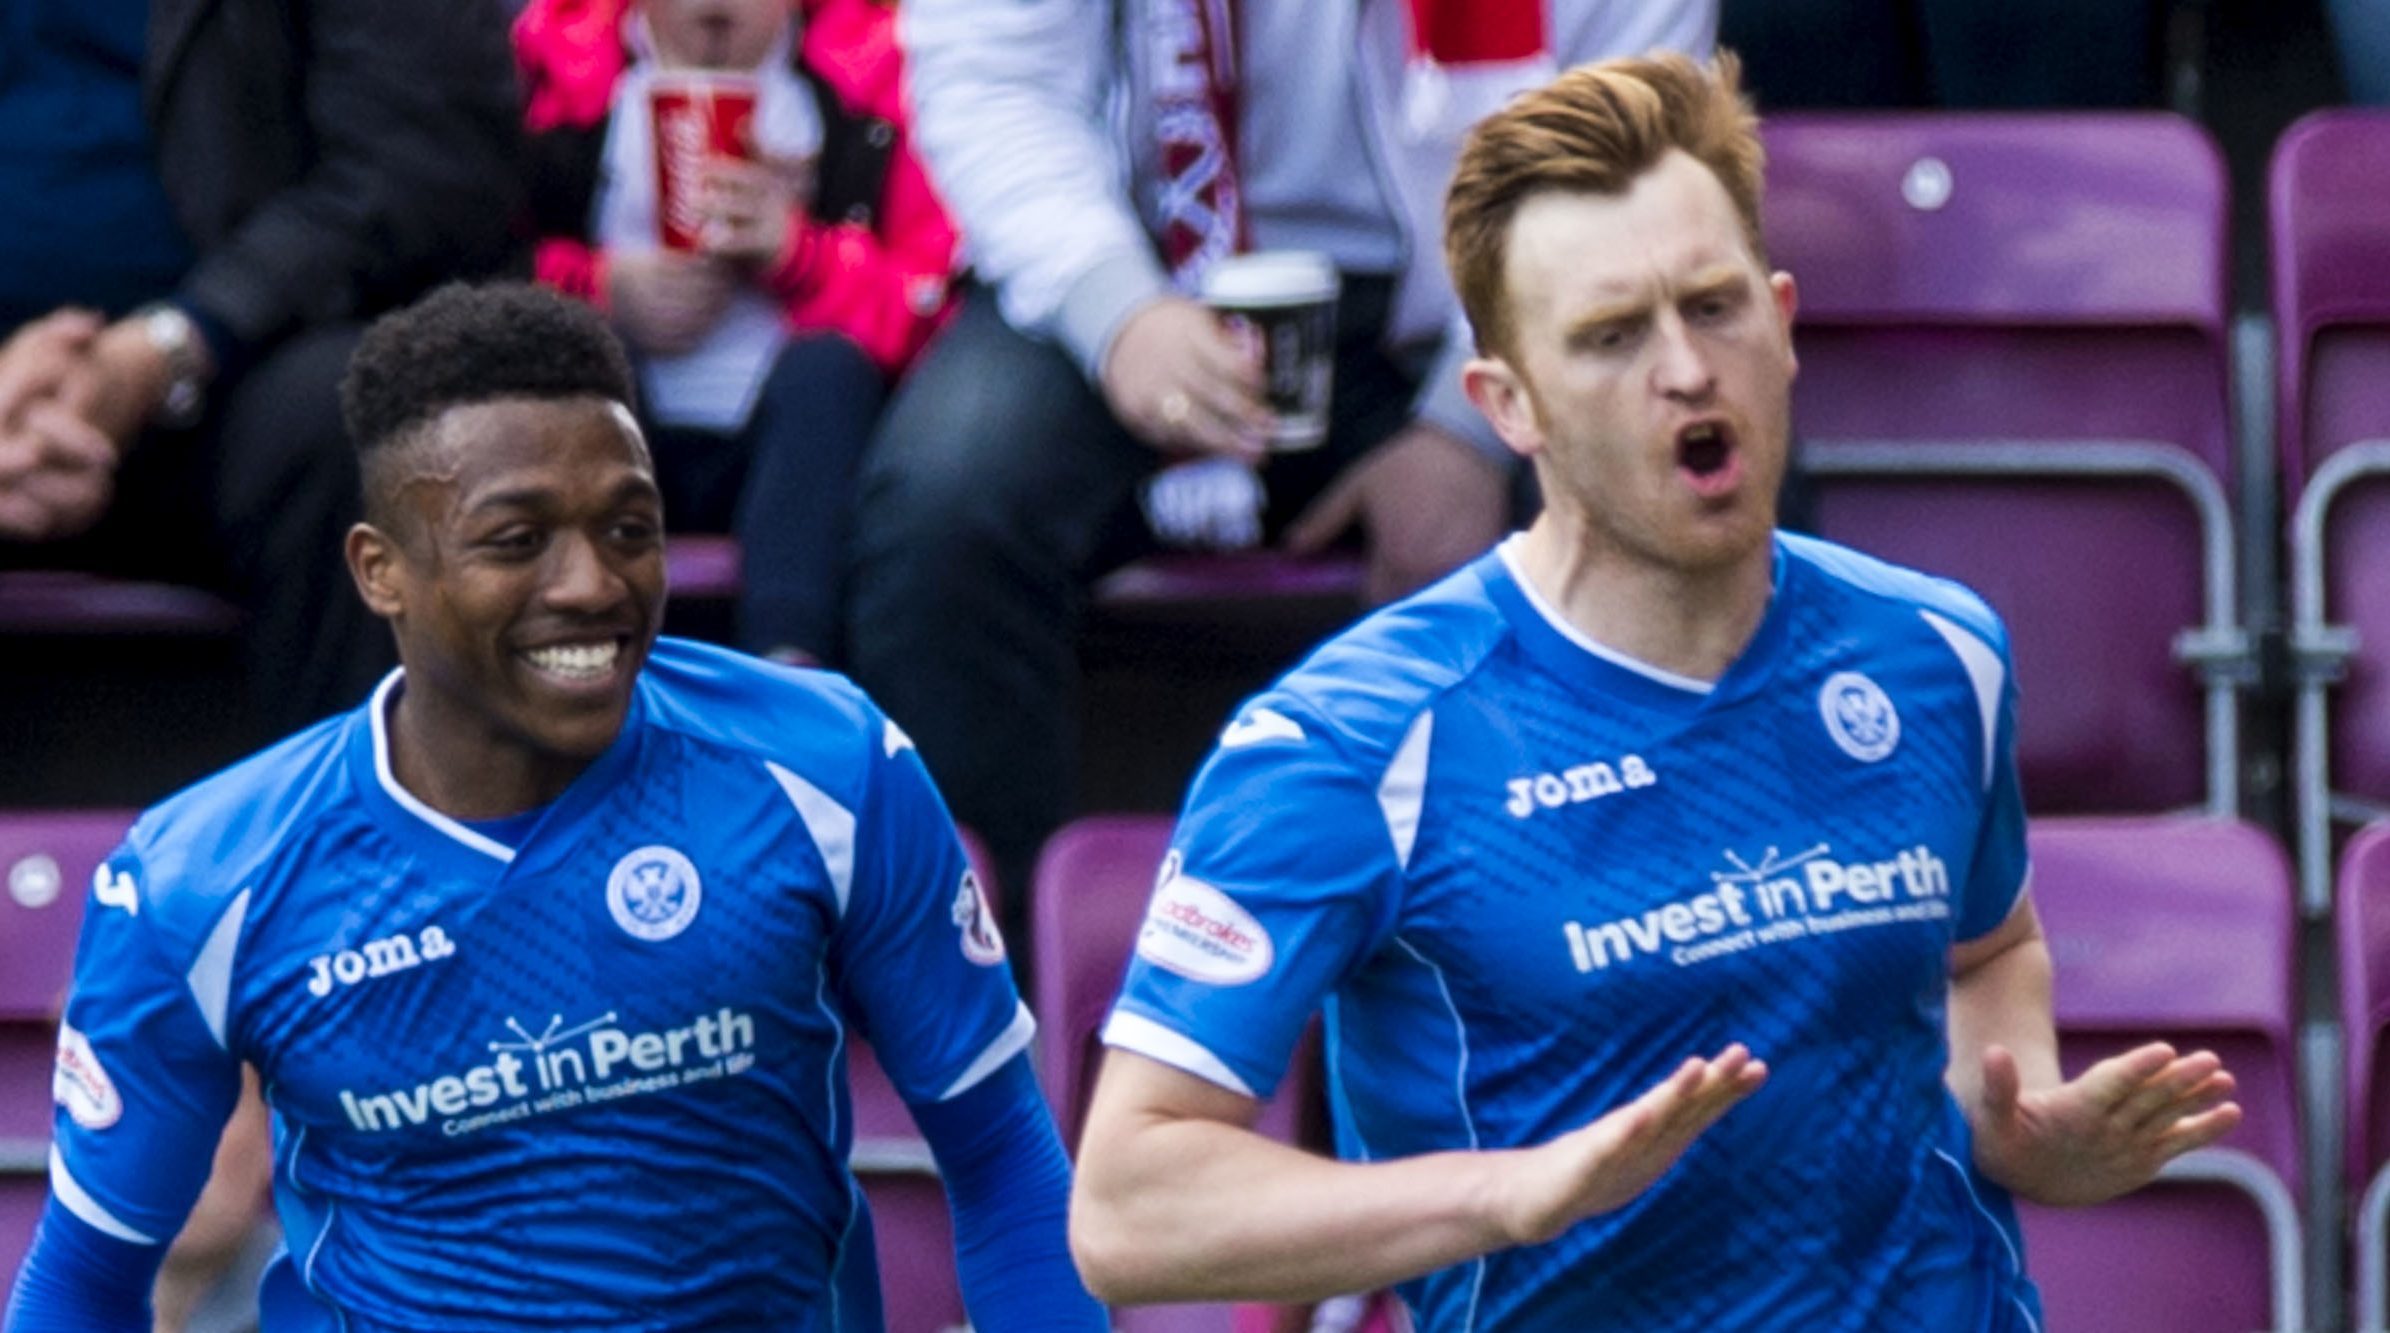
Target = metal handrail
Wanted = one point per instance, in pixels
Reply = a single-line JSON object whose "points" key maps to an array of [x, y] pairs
{"points": [[892, 1156], [2373, 1267], [2285, 1244], [24, 1156], [2320, 650], [2218, 648]]}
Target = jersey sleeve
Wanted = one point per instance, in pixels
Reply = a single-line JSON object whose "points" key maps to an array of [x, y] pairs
{"points": [[76, 1280], [1280, 881], [1997, 874], [918, 951], [1009, 1185], [144, 1081]]}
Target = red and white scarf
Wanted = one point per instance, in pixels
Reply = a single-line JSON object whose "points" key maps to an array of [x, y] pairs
{"points": [[1195, 121], [1467, 57]]}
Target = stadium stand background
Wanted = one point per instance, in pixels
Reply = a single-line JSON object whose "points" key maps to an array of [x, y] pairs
{"points": [[110, 710]]}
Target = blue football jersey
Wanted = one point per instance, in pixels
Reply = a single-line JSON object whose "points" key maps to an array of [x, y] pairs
{"points": [[1524, 878], [591, 1078]]}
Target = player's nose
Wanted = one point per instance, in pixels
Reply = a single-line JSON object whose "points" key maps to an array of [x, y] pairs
{"points": [[1681, 366], [581, 578]]}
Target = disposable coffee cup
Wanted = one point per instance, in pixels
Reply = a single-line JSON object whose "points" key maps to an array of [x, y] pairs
{"points": [[1287, 298], [697, 116]]}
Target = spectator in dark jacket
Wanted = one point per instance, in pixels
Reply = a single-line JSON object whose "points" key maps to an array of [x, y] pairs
{"points": [[201, 201]]}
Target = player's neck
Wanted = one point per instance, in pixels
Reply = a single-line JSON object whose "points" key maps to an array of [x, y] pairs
{"points": [[457, 764], [1691, 623]]}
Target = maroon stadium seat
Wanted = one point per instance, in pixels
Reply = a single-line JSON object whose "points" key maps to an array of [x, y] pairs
{"points": [[1189, 580], [65, 602], [1092, 884], [2362, 932], [2013, 342], [2177, 929], [2328, 191], [919, 1290], [704, 566], [47, 859]]}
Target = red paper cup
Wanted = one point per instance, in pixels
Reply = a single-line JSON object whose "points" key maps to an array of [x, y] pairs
{"points": [[696, 117]]}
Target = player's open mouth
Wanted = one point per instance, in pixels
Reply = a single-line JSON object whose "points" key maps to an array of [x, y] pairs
{"points": [[1706, 457]]}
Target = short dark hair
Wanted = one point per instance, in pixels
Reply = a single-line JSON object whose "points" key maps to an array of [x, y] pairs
{"points": [[467, 344]]}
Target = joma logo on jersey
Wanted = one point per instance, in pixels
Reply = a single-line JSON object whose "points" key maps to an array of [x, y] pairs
{"points": [[1573, 786], [379, 958]]}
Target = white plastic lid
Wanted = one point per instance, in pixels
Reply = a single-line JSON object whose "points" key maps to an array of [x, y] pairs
{"points": [[1272, 277]]}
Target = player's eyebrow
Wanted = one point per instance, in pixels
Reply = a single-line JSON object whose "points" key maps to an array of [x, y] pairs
{"points": [[1711, 280], [631, 489], [637, 486], [513, 497], [1634, 307], [1715, 280]]}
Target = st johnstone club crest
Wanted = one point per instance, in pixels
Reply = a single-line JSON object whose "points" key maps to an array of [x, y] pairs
{"points": [[653, 893], [1860, 716], [982, 944]]}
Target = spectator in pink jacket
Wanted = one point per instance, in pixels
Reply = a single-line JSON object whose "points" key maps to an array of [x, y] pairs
{"points": [[820, 266]]}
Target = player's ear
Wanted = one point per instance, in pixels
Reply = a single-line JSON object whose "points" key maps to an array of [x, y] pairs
{"points": [[374, 559], [1501, 393], [1787, 296]]}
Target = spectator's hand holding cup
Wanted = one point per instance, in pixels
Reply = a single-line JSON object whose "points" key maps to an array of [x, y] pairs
{"points": [[749, 209], [1245, 370], [1284, 303], [1183, 382], [701, 118]]}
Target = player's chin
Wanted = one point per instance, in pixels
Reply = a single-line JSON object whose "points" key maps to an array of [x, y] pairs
{"points": [[578, 721], [1720, 538], [580, 733]]}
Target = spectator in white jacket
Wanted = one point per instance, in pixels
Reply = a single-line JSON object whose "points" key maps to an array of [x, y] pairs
{"points": [[1098, 155]]}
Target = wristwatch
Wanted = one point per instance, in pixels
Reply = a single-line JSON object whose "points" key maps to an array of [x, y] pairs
{"points": [[188, 365]]}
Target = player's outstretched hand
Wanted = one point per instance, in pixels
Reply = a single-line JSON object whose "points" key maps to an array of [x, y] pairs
{"points": [[1549, 1188], [2107, 1132]]}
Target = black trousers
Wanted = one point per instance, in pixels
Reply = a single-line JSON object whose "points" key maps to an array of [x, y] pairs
{"points": [[784, 485], [998, 489], [253, 503]]}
